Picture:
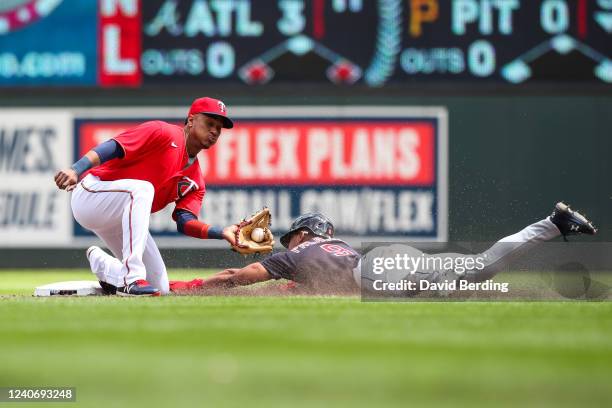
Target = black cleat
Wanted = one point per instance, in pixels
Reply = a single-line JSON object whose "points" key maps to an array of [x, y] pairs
{"points": [[571, 222], [138, 288], [107, 288]]}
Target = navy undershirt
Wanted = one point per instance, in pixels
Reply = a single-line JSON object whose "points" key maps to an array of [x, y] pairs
{"points": [[109, 150], [182, 217]]}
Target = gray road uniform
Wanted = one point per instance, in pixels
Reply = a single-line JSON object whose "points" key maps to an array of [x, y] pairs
{"points": [[415, 266], [331, 265], [320, 265]]}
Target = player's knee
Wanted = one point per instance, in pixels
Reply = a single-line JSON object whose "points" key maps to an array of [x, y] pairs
{"points": [[144, 190]]}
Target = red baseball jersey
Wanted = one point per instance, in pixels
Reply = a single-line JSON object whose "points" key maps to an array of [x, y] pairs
{"points": [[155, 152]]}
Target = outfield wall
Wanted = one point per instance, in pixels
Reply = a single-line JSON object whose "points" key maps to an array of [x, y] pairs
{"points": [[378, 172], [509, 159]]}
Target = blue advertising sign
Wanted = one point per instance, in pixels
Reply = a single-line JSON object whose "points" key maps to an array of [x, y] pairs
{"points": [[48, 42], [377, 172]]}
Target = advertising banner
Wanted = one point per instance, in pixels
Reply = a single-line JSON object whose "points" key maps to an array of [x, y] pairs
{"points": [[48, 42], [33, 145], [377, 172]]}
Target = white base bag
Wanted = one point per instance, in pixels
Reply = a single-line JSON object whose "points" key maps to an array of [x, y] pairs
{"points": [[70, 288]]}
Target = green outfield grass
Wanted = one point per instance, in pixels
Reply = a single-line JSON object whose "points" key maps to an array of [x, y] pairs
{"points": [[302, 351]]}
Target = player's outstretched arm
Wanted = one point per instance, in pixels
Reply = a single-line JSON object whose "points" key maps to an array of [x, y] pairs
{"points": [[225, 279], [239, 236], [229, 278], [188, 224]]}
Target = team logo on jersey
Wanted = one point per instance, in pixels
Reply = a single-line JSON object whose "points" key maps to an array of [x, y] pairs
{"points": [[222, 107], [185, 186], [15, 14]]}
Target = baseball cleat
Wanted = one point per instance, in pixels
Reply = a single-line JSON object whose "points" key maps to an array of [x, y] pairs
{"points": [[138, 288], [107, 288], [571, 222]]}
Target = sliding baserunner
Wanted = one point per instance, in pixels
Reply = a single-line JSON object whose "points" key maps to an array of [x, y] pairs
{"points": [[320, 263]]}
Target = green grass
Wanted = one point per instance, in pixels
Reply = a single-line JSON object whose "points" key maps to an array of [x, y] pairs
{"points": [[302, 351]]}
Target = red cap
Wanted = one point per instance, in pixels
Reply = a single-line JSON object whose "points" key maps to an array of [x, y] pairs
{"points": [[213, 107]]}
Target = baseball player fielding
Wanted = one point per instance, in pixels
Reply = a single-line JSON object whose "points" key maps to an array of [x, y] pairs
{"points": [[119, 183]]}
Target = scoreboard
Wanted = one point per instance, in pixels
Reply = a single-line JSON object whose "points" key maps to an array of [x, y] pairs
{"points": [[374, 43], [377, 42]]}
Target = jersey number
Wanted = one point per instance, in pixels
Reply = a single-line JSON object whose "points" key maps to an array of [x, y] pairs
{"points": [[336, 250]]}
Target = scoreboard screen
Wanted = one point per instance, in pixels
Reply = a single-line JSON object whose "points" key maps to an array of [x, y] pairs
{"points": [[376, 42]]}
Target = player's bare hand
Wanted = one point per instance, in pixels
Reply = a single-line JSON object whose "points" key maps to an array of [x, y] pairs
{"points": [[66, 179], [229, 234]]}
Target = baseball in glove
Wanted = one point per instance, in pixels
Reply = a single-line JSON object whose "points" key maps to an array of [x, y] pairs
{"points": [[246, 237]]}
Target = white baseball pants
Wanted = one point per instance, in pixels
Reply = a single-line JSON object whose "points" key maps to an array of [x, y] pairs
{"points": [[118, 213], [510, 248], [495, 258]]}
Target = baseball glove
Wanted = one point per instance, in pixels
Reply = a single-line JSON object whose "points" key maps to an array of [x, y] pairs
{"points": [[245, 244]]}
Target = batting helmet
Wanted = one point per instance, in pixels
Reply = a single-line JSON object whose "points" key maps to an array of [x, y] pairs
{"points": [[316, 223]]}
